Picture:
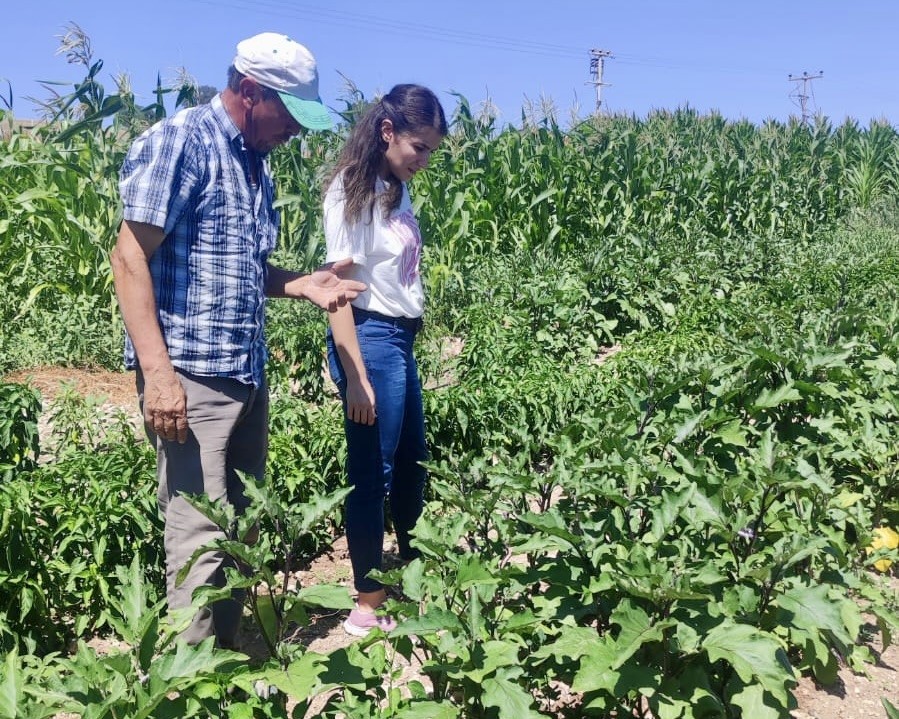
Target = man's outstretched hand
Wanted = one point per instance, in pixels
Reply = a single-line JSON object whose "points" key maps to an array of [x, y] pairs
{"points": [[328, 287]]}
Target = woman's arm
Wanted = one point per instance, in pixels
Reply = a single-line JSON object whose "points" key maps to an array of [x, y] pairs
{"points": [[360, 397]]}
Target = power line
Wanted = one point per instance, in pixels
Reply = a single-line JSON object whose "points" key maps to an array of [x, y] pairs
{"points": [[668, 64], [343, 18], [413, 30], [369, 22]]}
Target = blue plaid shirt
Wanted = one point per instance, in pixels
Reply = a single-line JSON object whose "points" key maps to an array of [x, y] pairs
{"points": [[190, 175]]}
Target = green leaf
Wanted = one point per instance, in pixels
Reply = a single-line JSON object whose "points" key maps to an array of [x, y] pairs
{"points": [[498, 654], [892, 712], [668, 510], [630, 677], [705, 510], [755, 703], [191, 661], [34, 193], [541, 197], [343, 668], [596, 672], [508, 696], [11, 686], [329, 596], [636, 630], [240, 711], [472, 572], [267, 616], [733, 433], [772, 398], [846, 499], [751, 653], [35, 291], [414, 580], [883, 363], [133, 602], [687, 427], [462, 419], [553, 524], [428, 710], [520, 619], [433, 620], [671, 707], [300, 681], [26, 601], [147, 646], [812, 609], [571, 644]]}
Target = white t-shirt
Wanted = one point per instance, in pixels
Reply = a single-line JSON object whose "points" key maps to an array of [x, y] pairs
{"points": [[386, 253]]}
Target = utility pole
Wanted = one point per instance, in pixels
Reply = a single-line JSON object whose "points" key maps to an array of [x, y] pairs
{"points": [[597, 65], [804, 94]]}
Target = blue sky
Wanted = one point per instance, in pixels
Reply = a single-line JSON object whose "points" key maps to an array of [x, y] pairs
{"points": [[725, 56]]}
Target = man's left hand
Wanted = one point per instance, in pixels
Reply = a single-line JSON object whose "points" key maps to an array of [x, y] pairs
{"points": [[328, 288]]}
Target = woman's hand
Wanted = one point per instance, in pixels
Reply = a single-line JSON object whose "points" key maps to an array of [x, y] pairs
{"points": [[360, 402]]}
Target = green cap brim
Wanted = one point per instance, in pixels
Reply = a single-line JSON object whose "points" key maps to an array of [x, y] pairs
{"points": [[309, 113]]}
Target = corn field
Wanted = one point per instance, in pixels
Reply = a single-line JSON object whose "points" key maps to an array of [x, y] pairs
{"points": [[660, 453]]}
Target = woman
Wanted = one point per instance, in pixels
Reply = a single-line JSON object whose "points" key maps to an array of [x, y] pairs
{"points": [[369, 219]]}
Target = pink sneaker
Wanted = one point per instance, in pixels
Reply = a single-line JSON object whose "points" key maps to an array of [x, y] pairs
{"points": [[360, 623]]}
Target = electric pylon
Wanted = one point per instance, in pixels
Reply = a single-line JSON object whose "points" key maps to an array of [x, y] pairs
{"points": [[805, 94], [597, 65]]}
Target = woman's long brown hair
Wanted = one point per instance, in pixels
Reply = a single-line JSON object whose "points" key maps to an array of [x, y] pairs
{"points": [[409, 108]]}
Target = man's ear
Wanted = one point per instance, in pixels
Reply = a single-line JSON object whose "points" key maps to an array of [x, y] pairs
{"points": [[250, 92]]}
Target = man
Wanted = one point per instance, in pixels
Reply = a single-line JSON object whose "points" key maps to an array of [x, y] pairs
{"points": [[191, 275]]}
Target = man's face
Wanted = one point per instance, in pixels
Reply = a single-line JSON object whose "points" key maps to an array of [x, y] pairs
{"points": [[268, 123]]}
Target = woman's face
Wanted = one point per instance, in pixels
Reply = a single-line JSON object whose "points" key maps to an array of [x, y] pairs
{"points": [[409, 151]]}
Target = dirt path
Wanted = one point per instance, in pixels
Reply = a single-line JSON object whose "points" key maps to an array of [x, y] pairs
{"points": [[854, 696]]}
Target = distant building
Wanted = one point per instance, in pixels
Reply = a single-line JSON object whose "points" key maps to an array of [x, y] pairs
{"points": [[10, 124]]}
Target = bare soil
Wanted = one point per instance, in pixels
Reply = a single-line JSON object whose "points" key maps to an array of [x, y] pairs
{"points": [[853, 696]]}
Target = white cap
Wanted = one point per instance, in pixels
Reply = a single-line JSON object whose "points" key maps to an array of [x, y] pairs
{"points": [[282, 64]]}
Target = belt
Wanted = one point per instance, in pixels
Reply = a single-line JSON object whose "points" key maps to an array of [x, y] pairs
{"points": [[412, 324]]}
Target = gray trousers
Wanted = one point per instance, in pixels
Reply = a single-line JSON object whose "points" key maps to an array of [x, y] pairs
{"points": [[228, 431]]}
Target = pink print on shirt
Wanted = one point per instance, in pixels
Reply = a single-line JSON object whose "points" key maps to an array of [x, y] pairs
{"points": [[405, 227]]}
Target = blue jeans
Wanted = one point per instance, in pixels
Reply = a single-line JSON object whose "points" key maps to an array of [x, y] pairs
{"points": [[383, 459]]}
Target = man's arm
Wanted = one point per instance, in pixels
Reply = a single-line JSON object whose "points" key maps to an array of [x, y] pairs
{"points": [[165, 404], [325, 287]]}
